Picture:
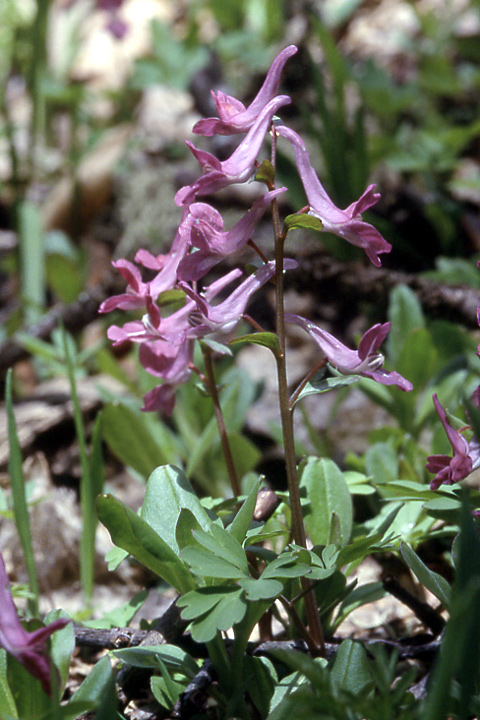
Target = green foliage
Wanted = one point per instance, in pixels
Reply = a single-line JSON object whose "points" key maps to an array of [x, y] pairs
{"points": [[328, 518], [171, 62]]}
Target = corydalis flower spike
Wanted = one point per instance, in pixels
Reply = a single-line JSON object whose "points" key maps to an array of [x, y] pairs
{"points": [[466, 455], [29, 648], [366, 361], [233, 117], [239, 167], [347, 223], [204, 227]]}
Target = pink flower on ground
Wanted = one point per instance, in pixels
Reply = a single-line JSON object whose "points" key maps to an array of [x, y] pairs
{"points": [[239, 167], [365, 361], [204, 228], [466, 455], [233, 116], [348, 223], [29, 648]]}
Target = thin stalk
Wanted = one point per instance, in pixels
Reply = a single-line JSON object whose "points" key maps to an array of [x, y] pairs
{"points": [[20, 508], [37, 75], [297, 621], [305, 380], [298, 527], [87, 490], [227, 451]]}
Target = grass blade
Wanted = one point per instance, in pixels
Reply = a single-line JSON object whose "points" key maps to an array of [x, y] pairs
{"points": [[20, 509]]}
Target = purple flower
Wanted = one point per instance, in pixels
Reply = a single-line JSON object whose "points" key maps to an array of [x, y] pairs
{"points": [[227, 314], [233, 117], [366, 361], [239, 167], [466, 455], [348, 223], [204, 229], [29, 648], [172, 363], [138, 291]]}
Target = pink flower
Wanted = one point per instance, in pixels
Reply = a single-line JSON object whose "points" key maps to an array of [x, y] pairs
{"points": [[224, 316], [239, 167], [233, 117], [348, 223], [366, 361], [138, 291], [29, 648], [172, 363], [204, 228], [466, 455]]}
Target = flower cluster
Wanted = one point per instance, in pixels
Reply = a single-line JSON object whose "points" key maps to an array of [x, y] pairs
{"points": [[29, 648], [167, 342]]}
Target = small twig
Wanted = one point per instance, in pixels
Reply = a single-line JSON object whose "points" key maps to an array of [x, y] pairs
{"points": [[424, 612]]}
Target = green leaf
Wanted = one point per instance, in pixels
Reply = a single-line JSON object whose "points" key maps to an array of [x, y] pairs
{"points": [[405, 313], [418, 358], [134, 534], [120, 616], [261, 681], [168, 492], [358, 483], [212, 609], [241, 522], [308, 222], [186, 524], [127, 433], [318, 384], [7, 704], [230, 610], [350, 668], [222, 544], [62, 644], [148, 656], [266, 173], [381, 463], [166, 690], [261, 589], [432, 580], [198, 602], [266, 339], [328, 494], [92, 689], [30, 699], [204, 564]]}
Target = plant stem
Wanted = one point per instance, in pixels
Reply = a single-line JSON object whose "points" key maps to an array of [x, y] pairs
{"points": [[20, 507], [227, 452], [298, 527], [305, 380], [87, 491]]}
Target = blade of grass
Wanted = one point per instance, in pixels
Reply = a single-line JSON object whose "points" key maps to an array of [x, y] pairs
{"points": [[32, 260], [20, 509], [87, 489]]}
